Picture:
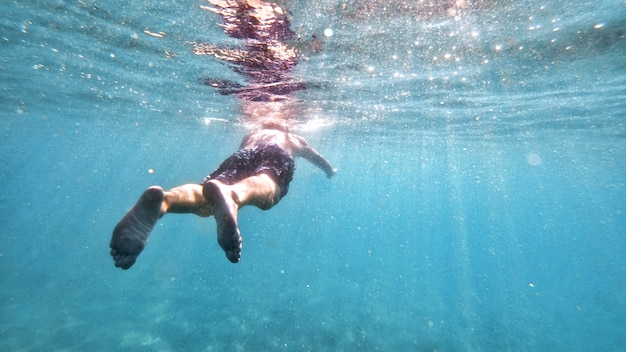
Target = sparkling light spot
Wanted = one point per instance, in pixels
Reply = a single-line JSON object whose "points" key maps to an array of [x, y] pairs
{"points": [[533, 159]]}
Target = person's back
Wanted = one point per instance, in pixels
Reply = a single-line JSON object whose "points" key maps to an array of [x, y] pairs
{"points": [[290, 143], [294, 145]]}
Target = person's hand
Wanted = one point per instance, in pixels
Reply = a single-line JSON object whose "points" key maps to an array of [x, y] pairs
{"points": [[332, 173]]}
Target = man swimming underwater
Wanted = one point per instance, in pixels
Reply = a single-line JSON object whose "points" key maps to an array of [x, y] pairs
{"points": [[258, 174]]}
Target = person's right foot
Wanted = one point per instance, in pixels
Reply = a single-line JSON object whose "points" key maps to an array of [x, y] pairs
{"points": [[131, 233], [224, 210]]}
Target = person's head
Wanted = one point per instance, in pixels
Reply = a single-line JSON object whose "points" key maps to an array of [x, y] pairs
{"points": [[274, 125], [276, 115]]}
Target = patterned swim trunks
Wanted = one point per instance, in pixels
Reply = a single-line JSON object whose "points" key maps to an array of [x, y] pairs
{"points": [[269, 159]]}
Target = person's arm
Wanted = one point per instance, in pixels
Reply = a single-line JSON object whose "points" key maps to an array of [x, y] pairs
{"points": [[302, 149], [318, 160]]}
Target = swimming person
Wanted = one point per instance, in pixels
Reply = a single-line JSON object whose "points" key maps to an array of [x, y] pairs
{"points": [[258, 174]]}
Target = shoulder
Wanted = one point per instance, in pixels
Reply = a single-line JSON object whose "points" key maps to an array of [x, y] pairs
{"points": [[262, 137], [297, 140]]}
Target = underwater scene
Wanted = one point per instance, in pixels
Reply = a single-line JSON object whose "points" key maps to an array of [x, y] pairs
{"points": [[456, 175]]}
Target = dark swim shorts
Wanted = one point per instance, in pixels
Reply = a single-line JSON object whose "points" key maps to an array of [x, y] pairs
{"points": [[269, 159]]}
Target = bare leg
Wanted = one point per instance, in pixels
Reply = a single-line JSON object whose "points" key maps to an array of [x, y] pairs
{"points": [[131, 233], [186, 199], [224, 202]]}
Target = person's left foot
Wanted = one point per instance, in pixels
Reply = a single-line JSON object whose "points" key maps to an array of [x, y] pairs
{"points": [[224, 210], [131, 233]]}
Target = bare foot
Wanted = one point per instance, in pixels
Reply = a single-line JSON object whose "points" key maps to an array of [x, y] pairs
{"points": [[131, 233], [224, 210]]}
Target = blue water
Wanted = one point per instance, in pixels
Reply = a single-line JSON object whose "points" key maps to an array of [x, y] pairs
{"points": [[480, 203]]}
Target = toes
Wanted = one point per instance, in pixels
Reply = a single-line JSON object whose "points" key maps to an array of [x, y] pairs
{"points": [[122, 260], [125, 262], [232, 248], [233, 256]]}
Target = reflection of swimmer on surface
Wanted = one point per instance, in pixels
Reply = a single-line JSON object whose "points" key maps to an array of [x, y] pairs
{"points": [[265, 59], [366, 10], [258, 174]]}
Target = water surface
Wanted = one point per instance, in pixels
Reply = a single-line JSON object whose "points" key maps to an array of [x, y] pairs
{"points": [[479, 204]]}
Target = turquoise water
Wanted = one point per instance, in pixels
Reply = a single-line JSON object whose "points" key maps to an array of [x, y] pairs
{"points": [[479, 204]]}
